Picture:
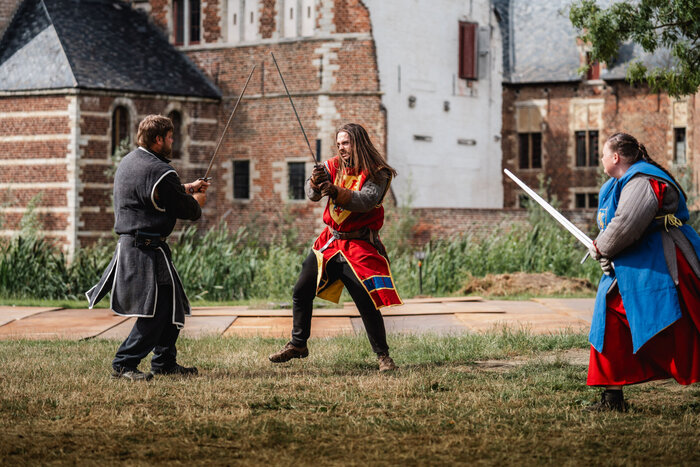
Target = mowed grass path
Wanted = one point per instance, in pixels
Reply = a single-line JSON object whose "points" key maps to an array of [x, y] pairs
{"points": [[59, 406]]}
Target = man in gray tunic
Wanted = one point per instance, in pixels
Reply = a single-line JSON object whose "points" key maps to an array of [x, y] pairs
{"points": [[141, 278]]}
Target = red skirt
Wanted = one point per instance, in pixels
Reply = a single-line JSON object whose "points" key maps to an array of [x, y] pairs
{"points": [[672, 353]]}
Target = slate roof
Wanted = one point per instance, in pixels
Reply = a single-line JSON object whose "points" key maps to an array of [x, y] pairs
{"points": [[539, 44], [94, 44]]}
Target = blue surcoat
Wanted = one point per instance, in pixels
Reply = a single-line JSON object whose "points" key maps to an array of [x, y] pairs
{"points": [[648, 292]]}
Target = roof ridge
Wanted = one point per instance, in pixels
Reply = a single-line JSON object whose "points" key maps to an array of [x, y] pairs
{"points": [[60, 42]]}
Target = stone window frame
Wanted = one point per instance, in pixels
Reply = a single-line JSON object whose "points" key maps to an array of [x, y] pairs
{"points": [[131, 125], [186, 121], [187, 25], [530, 127], [233, 181], [575, 126], [588, 200], [288, 178]]}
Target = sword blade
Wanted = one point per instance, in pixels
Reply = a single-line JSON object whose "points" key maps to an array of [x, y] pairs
{"points": [[221, 138], [568, 225], [294, 108]]}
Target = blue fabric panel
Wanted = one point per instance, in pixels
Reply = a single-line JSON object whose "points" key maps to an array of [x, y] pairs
{"points": [[378, 282], [597, 334]]}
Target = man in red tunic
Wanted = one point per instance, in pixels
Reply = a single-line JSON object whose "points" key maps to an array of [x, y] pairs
{"points": [[348, 252]]}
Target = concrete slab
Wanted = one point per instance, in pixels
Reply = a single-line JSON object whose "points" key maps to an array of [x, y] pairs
{"points": [[12, 313], [446, 324], [61, 324], [580, 308], [260, 326], [535, 323], [282, 327], [195, 326], [218, 310], [119, 332], [200, 326]]}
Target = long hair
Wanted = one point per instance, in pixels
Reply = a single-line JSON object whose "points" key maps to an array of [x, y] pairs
{"points": [[633, 151], [151, 127], [365, 156]]}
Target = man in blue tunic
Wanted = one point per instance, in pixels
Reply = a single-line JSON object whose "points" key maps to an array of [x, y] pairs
{"points": [[141, 278]]}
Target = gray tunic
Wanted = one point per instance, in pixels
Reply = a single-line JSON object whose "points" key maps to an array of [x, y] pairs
{"points": [[136, 270]]}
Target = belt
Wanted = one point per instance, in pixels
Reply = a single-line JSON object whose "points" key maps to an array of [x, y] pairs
{"points": [[354, 234], [669, 220], [365, 233], [146, 239]]}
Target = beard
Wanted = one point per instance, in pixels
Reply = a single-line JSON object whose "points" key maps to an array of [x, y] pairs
{"points": [[166, 151]]}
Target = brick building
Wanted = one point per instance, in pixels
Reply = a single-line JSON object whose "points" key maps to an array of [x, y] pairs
{"points": [[451, 91], [327, 52], [555, 121], [76, 79]]}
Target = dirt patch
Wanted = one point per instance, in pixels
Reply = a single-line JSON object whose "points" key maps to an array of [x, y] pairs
{"points": [[539, 284]]}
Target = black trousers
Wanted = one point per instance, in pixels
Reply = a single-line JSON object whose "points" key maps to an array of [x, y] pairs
{"points": [[157, 334], [305, 292]]}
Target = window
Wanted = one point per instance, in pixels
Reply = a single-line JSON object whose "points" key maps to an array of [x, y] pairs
{"points": [[186, 21], [120, 126], [530, 150], [587, 148], [523, 201], [467, 50], [593, 71], [176, 118], [586, 200], [297, 177], [679, 146], [179, 21], [195, 18], [241, 179], [529, 124]]}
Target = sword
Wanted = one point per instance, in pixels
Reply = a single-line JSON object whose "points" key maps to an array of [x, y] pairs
{"points": [[295, 109], [206, 177], [567, 224]]}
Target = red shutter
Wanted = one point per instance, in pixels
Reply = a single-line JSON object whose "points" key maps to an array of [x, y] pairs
{"points": [[467, 50]]}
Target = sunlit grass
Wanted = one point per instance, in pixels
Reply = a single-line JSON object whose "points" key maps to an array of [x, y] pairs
{"points": [[58, 405]]}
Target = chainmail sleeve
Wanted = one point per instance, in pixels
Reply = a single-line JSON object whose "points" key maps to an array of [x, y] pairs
{"points": [[370, 196]]}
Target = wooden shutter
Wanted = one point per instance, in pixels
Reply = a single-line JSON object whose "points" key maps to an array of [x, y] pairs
{"points": [[467, 50]]}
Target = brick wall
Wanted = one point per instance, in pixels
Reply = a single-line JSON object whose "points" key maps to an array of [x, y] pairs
{"points": [[633, 110], [96, 218], [333, 80], [34, 146], [433, 224]]}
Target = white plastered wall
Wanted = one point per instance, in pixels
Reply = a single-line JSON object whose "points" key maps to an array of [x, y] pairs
{"points": [[417, 54]]}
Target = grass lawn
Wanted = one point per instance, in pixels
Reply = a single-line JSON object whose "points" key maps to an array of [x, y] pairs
{"points": [[444, 405]]}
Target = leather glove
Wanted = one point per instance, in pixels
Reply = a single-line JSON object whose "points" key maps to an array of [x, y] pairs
{"points": [[606, 265], [328, 189], [595, 254], [319, 176]]}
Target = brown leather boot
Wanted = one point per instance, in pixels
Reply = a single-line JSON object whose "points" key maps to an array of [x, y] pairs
{"points": [[386, 363], [289, 352]]}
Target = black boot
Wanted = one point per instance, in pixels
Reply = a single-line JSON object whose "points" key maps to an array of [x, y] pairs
{"points": [[611, 399]]}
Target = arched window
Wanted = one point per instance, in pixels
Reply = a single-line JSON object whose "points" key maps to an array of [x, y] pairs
{"points": [[176, 118], [120, 126]]}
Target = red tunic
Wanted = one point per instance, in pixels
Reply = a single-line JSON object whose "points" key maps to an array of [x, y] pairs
{"points": [[672, 353], [370, 268]]}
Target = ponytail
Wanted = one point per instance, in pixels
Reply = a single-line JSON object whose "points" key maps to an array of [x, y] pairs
{"points": [[633, 151]]}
